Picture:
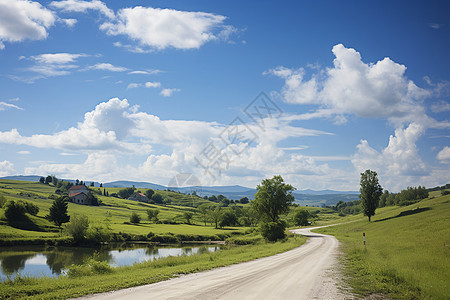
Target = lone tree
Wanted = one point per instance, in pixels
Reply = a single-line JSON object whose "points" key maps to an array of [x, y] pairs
{"points": [[58, 211], [272, 199], [370, 192]]}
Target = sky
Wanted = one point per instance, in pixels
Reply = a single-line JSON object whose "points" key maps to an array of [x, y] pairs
{"points": [[231, 92]]}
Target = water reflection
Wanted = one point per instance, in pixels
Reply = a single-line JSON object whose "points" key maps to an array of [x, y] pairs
{"points": [[40, 261]]}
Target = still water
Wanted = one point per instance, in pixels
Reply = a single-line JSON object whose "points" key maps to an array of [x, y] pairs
{"points": [[53, 261]]}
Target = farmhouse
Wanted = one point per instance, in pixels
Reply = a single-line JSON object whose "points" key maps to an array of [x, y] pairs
{"points": [[138, 197], [79, 194]]}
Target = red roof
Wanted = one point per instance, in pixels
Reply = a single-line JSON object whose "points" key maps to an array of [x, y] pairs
{"points": [[76, 194], [142, 195]]}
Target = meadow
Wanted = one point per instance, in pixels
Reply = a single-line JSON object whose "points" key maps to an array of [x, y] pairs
{"points": [[407, 251]]}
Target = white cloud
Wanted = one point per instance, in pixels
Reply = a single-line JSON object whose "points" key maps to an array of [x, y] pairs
{"points": [[83, 6], [21, 20], [57, 58], [150, 84], [168, 92], [24, 152], [133, 85], [2, 46], [155, 28], [444, 155], [440, 106], [5, 105], [351, 86], [147, 72], [400, 159], [69, 22], [435, 25], [107, 67], [7, 168]]}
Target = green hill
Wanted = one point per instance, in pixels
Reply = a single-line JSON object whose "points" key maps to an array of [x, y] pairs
{"points": [[407, 254], [114, 211]]}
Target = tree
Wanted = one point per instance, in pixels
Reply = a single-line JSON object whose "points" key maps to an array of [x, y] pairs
{"points": [[92, 183], [273, 231], [157, 198], [48, 179], [214, 214], [54, 180], [135, 218], [188, 216], [42, 180], [228, 218], [301, 217], [370, 192], [244, 200], [126, 193], [273, 198], [204, 208], [78, 227], [58, 211], [14, 210], [101, 184], [152, 214], [149, 193]]}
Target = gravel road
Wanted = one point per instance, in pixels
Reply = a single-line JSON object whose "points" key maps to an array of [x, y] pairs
{"points": [[306, 272]]}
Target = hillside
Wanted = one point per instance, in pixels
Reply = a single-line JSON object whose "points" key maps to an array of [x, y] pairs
{"points": [[407, 252], [114, 213], [234, 192]]}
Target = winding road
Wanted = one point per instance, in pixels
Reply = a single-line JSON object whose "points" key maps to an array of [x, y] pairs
{"points": [[305, 272]]}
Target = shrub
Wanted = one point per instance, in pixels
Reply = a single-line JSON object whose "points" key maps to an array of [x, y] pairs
{"points": [[2, 201], [31, 208], [135, 218], [14, 210], [301, 217], [273, 231], [91, 267], [78, 227]]}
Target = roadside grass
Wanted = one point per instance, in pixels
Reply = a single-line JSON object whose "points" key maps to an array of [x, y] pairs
{"points": [[105, 279], [407, 252]]}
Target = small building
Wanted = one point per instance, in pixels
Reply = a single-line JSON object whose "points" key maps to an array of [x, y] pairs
{"points": [[79, 194], [138, 197]]}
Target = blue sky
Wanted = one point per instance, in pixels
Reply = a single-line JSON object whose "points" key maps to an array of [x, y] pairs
{"points": [[146, 90]]}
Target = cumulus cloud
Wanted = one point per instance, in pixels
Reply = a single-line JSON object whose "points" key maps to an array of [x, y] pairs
{"points": [[399, 158], [7, 168], [21, 20], [155, 28], [444, 155], [168, 92], [69, 22], [83, 6], [351, 86]]}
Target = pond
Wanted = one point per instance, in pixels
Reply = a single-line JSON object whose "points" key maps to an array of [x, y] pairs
{"points": [[38, 261]]}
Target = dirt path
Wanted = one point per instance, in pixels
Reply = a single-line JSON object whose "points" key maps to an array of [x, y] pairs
{"points": [[302, 273]]}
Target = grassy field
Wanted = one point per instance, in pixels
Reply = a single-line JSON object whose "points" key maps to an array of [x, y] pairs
{"points": [[104, 279], [407, 253], [116, 212]]}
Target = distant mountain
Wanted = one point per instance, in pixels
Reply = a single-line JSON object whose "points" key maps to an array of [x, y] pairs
{"points": [[23, 177], [141, 185]]}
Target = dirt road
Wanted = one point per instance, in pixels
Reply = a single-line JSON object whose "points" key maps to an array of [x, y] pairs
{"points": [[302, 273]]}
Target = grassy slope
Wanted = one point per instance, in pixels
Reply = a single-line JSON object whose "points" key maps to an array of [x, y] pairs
{"points": [[117, 211], [407, 255]]}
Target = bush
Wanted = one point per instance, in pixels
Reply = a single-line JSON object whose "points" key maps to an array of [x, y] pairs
{"points": [[91, 267], [135, 218], [2, 201], [273, 231], [31, 208], [78, 227], [14, 210], [301, 217]]}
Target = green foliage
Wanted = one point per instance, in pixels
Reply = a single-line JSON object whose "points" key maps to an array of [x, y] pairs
{"points": [[149, 193], [78, 227], [135, 218], [31, 208], [301, 217], [99, 232], [188, 216], [370, 192], [58, 211], [125, 193], [244, 200], [445, 192], [153, 214], [157, 198], [273, 198], [14, 210], [89, 268], [228, 218], [48, 179], [2, 201], [273, 231]]}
